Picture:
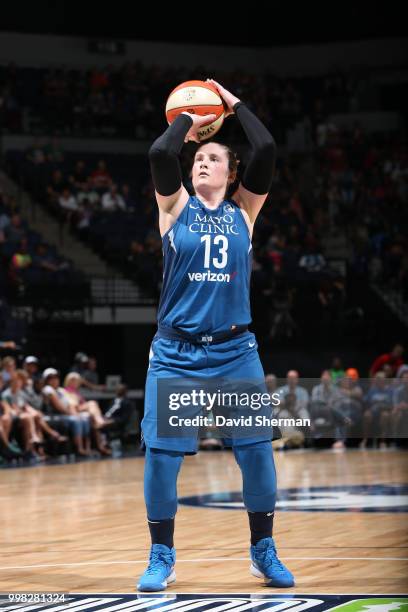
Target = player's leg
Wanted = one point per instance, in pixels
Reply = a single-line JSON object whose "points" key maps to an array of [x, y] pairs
{"points": [[259, 494], [160, 488]]}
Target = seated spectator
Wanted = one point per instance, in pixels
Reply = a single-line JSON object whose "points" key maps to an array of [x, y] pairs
{"points": [[120, 411], [349, 404], [326, 391], [31, 366], [60, 403], [31, 389], [32, 421], [112, 200], [378, 407], [72, 383], [68, 203], [80, 363], [271, 383], [90, 374], [393, 358], [337, 370], [87, 195], [292, 386], [8, 369], [100, 177], [8, 450], [399, 414]]}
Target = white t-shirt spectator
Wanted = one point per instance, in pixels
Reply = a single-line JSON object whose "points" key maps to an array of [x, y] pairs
{"points": [[68, 203], [60, 393], [90, 195], [112, 201]]}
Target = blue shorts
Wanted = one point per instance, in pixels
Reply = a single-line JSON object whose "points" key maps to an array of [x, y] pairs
{"points": [[233, 359]]}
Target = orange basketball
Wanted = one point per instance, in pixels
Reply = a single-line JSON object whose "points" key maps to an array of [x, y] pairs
{"points": [[199, 98]]}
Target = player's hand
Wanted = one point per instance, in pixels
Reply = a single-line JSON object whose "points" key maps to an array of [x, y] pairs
{"points": [[228, 98], [198, 121]]}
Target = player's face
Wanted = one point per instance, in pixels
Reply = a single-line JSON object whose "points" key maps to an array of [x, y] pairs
{"points": [[210, 168]]}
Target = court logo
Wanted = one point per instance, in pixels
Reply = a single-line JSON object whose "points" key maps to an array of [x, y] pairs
{"points": [[374, 605], [169, 602], [346, 498]]}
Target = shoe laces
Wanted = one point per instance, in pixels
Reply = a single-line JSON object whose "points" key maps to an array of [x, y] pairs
{"points": [[156, 560], [271, 559]]}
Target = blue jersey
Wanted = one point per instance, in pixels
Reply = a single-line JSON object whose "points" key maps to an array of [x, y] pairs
{"points": [[207, 260]]}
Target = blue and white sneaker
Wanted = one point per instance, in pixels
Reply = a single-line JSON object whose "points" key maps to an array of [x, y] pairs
{"points": [[266, 565], [160, 571]]}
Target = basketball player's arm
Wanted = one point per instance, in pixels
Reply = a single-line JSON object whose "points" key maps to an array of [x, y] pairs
{"points": [[171, 195], [258, 175], [165, 165]]}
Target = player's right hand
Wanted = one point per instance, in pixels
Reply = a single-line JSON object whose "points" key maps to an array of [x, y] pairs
{"points": [[198, 121]]}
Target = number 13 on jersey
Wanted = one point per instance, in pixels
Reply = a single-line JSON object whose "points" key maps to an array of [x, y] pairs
{"points": [[221, 244]]}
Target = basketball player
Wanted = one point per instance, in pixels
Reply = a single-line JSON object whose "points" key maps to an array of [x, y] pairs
{"points": [[203, 324]]}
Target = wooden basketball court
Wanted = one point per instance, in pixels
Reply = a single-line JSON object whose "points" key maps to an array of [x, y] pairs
{"points": [[81, 527]]}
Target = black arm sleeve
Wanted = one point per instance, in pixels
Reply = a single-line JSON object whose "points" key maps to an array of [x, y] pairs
{"points": [[163, 156], [260, 168]]}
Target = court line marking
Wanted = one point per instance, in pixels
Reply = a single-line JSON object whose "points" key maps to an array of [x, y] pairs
{"points": [[219, 559]]}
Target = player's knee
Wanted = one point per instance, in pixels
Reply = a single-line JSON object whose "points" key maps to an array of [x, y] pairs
{"points": [[160, 482], [259, 476]]}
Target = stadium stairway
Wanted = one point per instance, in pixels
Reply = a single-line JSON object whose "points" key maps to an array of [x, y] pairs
{"points": [[107, 284]]}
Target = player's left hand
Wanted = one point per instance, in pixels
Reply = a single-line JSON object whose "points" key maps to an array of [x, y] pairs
{"points": [[227, 97]]}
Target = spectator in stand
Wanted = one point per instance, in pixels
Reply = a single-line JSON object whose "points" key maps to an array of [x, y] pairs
{"points": [[100, 177], [112, 200], [68, 203], [31, 366], [337, 370], [347, 406], [32, 421], [80, 364], [399, 415], [8, 450], [90, 374], [45, 261], [378, 407], [31, 389], [120, 411], [88, 194], [325, 392], [72, 383], [8, 369], [328, 419], [292, 386], [393, 358], [271, 383], [61, 404]]}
